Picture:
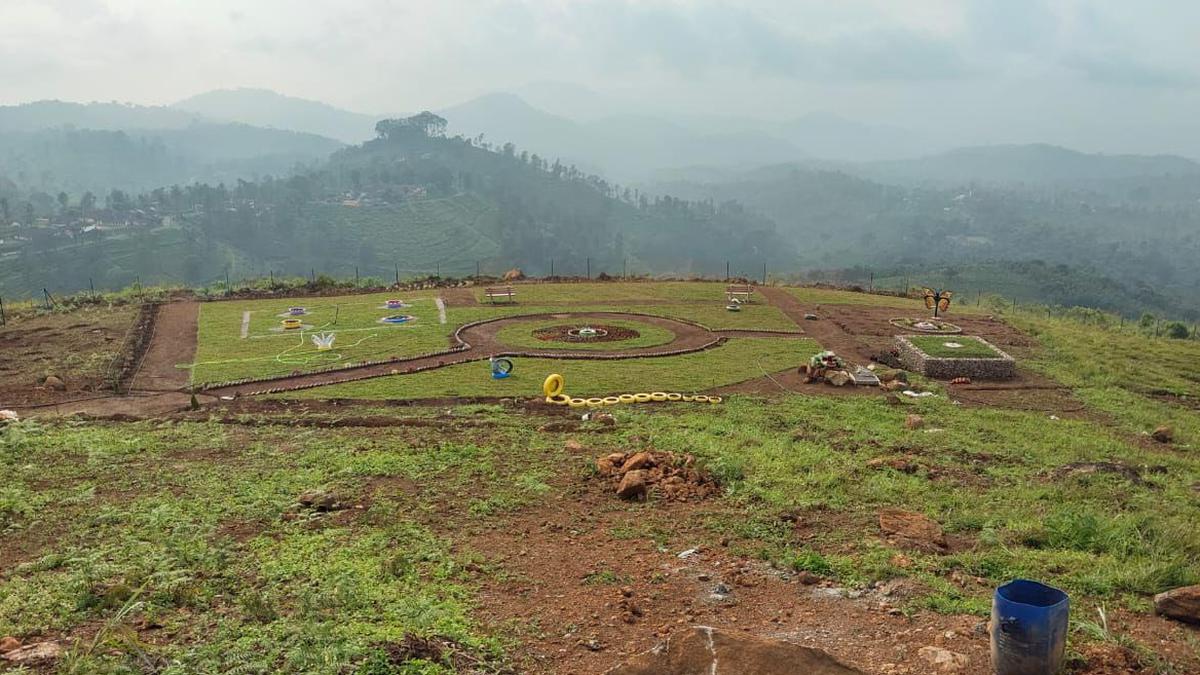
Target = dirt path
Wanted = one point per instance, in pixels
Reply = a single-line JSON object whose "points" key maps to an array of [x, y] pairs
{"points": [[458, 297], [173, 342], [829, 334]]}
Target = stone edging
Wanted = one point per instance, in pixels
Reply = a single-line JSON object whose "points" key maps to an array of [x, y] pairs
{"points": [[1002, 367]]}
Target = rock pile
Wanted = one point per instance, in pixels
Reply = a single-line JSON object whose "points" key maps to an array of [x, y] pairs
{"points": [[670, 476]]}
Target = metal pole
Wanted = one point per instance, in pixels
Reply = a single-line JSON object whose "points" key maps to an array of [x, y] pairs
{"points": [[552, 267], [871, 288], [92, 286], [4, 319], [764, 274], [476, 269], [625, 268], [589, 268], [228, 288], [272, 273], [397, 273], [356, 275], [439, 270]]}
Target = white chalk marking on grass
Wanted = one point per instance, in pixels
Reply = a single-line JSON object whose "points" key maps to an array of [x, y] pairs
{"points": [[441, 304], [245, 324]]}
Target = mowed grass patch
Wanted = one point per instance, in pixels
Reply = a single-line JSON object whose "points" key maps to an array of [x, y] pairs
{"points": [[737, 360], [712, 316], [522, 335], [223, 355], [938, 346], [615, 292]]}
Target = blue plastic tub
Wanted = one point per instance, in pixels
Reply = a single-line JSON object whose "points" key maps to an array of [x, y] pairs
{"points": [[1029, 628]]}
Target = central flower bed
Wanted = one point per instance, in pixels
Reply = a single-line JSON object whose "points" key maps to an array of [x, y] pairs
{"points": [[563, 333], [588, 333]]}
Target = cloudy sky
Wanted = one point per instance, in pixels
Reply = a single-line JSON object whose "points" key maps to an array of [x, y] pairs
{"points": [[1110, 75]]}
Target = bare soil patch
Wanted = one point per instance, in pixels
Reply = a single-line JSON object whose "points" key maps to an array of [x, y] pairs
{"points": [[173, 342], [79, 349]]}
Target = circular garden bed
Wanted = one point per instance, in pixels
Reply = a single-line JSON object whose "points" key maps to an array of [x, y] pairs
{"points": [[934, 326], [609, 334]]}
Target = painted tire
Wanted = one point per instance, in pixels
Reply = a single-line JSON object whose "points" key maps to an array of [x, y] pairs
{"points": [[641, 398], [715, 399], [577, 402], [674, 397], [502, 366], [595, 402], [687, 398], [611, 400], [553, 386], [658, 396], [627, 398], [560, 399], [701, 399]]}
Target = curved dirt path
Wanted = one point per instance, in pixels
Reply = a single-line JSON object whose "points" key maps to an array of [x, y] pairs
{"points": [[482, 344]]}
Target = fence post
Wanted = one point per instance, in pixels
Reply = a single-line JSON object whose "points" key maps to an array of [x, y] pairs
{"points": [[92, 286], [871, 287], [228, 288], [356, 275], [4, 319], [439, 270], [625, 268], [589, 268], [726, 270], [397, 265], [552, 267], [476, 269], [764, 274]]}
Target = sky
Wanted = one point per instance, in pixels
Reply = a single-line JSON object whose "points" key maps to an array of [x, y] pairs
{"points": [[1099, 75]]}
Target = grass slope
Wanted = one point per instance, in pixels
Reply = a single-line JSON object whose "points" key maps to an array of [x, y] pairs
{"points": [[737, 360]]}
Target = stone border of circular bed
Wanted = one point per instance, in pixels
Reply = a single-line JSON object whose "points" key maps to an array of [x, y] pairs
{"points": [[1000, 367]]}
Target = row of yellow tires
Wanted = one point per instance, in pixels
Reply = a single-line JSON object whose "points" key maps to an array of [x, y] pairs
{"points": [[555, 384]]}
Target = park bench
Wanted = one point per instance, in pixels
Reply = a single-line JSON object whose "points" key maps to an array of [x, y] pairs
{"points": [[506, 292], [738, 292]]}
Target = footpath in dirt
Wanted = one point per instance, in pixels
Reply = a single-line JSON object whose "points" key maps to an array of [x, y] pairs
{"points": [[173, 342]]}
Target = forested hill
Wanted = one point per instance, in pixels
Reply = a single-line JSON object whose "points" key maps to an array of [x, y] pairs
{"points": [[1133, 243], [411, 200]]}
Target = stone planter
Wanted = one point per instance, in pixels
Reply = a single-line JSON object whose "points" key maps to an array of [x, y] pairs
{"points": [[1000, 367]]}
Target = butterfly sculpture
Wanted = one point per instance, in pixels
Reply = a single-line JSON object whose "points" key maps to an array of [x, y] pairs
{"points": [[938, 301]]}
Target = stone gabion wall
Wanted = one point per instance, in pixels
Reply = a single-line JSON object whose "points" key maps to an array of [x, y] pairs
{"points": [[1002, 367]]}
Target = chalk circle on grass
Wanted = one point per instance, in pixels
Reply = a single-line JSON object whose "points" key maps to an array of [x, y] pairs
{"points": [[398, 319]]}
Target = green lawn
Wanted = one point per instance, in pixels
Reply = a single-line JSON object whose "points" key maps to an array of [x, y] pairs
{"points": [[617, 292], [223, 355], [916, 306], [937, 347], [739, 359], [522, 335]]}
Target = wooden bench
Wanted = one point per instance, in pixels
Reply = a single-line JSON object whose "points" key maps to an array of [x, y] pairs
{"points": [[505, 292], [738, 292]]}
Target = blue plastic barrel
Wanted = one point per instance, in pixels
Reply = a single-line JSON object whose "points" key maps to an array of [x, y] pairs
{"points": [[1029, 628]]}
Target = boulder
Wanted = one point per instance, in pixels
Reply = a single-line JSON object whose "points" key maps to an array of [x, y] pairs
{"points": [[1163, 434], [914, 422], [1182, 604], [891, 375], [913, 530], [703, 651], [54, 382], [641, 460], [895, 385], [839, 378], [318, 500], [944, 660], [633, 485], [39, 651], [605, 466]]}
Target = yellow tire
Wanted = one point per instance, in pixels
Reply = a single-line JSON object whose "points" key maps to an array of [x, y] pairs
{"points": [[715, 399], [561, 399], [674, 397], [701, 399], [627, 398], [658, 396], [611, 400], [553, 386], [687, 398], [595, 402], [577, 402], [641, 398]]}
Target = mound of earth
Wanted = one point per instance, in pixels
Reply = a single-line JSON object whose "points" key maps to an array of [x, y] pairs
{"points": [[672, 477], [607, 334], [705, 651]]}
